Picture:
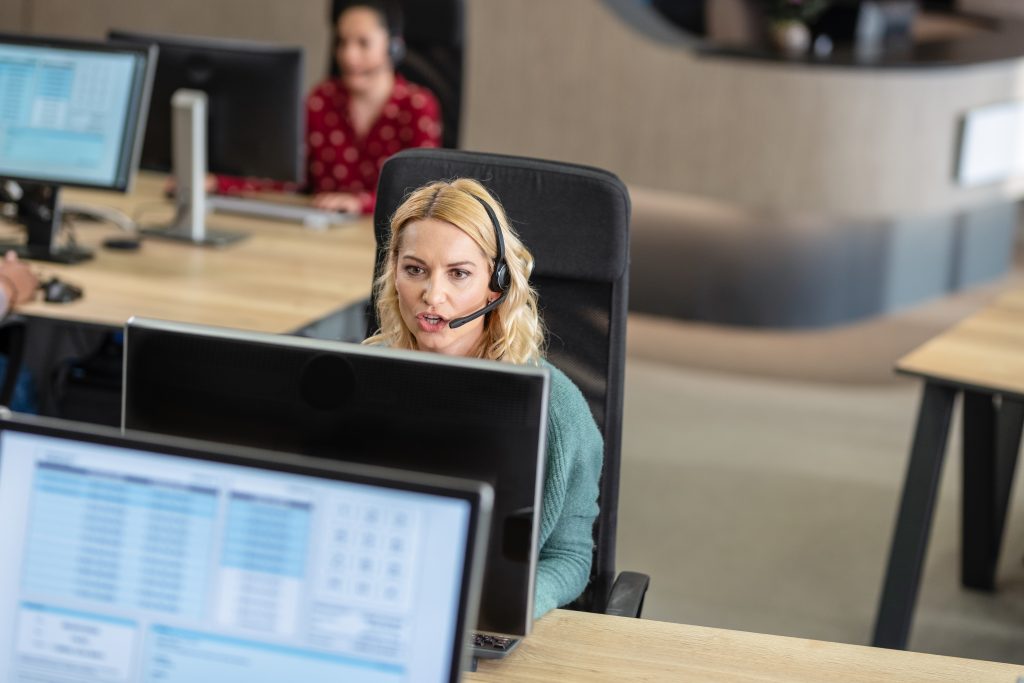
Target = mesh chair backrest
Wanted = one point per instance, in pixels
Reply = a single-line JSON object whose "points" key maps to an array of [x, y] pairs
{"points": [[575, 221]]}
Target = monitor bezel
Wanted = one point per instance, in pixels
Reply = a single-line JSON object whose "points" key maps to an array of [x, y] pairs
{"points": [[478, 495], [138, 106], [329, 346]]}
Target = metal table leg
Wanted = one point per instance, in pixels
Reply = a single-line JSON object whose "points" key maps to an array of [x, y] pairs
{"points": [[992, 435], [913, 523]]}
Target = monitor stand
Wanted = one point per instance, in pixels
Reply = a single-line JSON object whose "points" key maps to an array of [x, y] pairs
{"points": [[39, 210], [188, 136]]}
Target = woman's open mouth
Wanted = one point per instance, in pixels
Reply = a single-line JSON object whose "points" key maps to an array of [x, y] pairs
{"points": [[431, 322]]}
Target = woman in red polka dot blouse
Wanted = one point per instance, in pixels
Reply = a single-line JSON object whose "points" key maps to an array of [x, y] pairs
{"points": [[354, 123]]}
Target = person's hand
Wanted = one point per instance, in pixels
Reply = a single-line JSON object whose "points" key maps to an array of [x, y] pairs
{"points": [[16, 280], [171, 186], [344, 202]]}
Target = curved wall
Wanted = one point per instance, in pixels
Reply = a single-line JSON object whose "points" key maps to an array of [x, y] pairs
{"points": [[571, 80]]}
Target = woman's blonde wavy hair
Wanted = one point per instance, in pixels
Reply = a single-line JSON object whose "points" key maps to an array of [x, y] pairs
{"points": [[513, 331]]}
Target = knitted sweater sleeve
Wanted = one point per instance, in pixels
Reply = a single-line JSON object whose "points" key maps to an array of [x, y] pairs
{"points": [[574, 456]]}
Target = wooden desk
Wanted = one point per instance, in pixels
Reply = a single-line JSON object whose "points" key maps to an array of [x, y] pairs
{"points": [[281, 278], [575, 646], [983, 358]]}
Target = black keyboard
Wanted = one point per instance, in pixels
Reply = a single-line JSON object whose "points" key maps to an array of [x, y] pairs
{"points": [[492, 647]]}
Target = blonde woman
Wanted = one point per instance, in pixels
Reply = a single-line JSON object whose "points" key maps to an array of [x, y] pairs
{"points": [[456, 281]]}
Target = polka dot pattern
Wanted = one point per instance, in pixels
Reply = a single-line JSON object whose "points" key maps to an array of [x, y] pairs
{"points": [[342, 161]]}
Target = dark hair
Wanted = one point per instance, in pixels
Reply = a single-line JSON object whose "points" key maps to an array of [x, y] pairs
{"points": [[389, 11]]}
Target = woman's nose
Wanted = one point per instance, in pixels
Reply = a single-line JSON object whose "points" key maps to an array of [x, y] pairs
{"points": [[346, 54], [434, 292]]}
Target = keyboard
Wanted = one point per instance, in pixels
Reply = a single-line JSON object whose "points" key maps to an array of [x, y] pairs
{"points": [[311, 217], [492, 647]]}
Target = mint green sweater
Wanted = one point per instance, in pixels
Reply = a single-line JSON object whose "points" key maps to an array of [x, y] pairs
{"points": [[575, 452]]}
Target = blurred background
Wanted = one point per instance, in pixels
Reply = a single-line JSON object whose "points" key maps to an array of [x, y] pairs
{"points": [[818, 187]]}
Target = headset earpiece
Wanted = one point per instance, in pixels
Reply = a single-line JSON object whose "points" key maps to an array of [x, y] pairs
{"points": [[396, 49], [500, 279]]}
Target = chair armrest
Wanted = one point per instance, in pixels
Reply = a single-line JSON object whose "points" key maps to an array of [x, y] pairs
{"points": [[627, 596]]}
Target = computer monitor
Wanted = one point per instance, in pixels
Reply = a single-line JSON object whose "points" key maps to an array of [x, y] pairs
{"points": [[140, 558], [71, 113], [256, 119], [463, 417], [228, 106]]}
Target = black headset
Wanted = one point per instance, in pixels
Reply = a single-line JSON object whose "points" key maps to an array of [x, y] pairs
{"points": [[396, 47], [500, 277]]}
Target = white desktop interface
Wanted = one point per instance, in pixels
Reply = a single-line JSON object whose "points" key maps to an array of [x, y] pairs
{"points": [[62, 113], [124, 565]]}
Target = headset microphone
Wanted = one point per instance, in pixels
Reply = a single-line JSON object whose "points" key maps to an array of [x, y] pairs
{"points": [[500, 279], [459, 322]]}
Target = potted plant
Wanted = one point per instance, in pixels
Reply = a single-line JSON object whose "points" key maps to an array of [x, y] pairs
{"points": [[788, 22]]}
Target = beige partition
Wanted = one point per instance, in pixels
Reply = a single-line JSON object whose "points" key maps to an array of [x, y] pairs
{"points": [[570, 80], [1005, 8], [292, 22], [12, 16]]}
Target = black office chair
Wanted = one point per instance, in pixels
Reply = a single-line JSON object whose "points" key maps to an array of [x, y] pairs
{"points": [[12, 345], [433, 31], [575, 221]]}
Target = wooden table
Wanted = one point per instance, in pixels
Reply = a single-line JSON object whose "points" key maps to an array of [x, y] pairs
{"points": [[280, 279], [982, 358], [576, 646]]}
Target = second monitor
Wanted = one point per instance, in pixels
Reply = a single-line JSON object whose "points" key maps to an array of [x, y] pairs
{"points": [[230, 107], [470, 418]]}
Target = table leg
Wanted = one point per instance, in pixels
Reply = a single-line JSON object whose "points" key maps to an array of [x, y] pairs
{"points": [[913, 523], [977, 534], [991, 441], [1009, 427]]}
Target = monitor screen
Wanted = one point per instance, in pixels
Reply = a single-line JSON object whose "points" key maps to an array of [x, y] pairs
{"points": [[128, 561], [70, 111], [255, 113], [469, 418]]}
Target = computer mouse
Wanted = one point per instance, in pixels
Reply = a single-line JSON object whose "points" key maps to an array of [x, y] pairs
{"points": [[59, 292], [122, 243]]}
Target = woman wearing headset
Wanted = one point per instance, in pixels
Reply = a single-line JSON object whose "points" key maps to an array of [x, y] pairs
{"points": [[456, 281], [355, 122]]}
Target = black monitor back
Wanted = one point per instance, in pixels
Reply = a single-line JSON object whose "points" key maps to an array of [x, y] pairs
{"points": [[475, 419], [255, 111]]}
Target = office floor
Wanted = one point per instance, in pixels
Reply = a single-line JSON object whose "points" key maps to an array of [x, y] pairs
{"points": [[761, 474]]}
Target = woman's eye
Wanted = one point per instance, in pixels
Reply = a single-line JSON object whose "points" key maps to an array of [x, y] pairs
{"points": [[460, 274], [413, 270]]}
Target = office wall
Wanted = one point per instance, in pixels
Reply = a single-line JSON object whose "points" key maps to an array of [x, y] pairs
{"points": [[293, 22], [1004, 8], [570, 80], [12, 15]]}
